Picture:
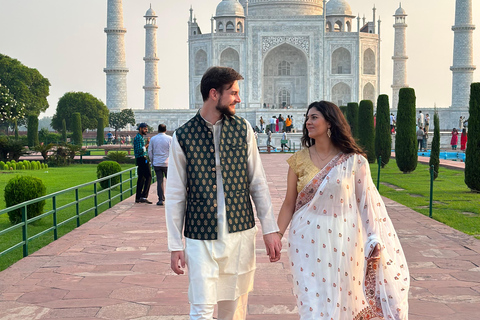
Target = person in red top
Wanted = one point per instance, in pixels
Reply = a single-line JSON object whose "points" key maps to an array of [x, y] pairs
{"points": [[454, 140], [463, 139]]}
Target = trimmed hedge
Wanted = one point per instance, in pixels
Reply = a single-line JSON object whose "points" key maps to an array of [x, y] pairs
{"points": [[352, 118], [77, 129], [406, 138], [472, 156], [107, 168], [32, 131], [435, 152], [21, 189], [64, 131], [100, 132], [366, 132], [383, 136]]}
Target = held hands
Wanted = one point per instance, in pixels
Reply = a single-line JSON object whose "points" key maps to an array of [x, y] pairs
{"points": [[177, 261], [273, 244], [374, 255]]}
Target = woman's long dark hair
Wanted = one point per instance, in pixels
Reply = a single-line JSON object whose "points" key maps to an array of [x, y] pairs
{"points": [[341, 134]]}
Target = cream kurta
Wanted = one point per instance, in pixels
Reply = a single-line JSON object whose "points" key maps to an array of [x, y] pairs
{"points": [[339, 217], [221, 269]]}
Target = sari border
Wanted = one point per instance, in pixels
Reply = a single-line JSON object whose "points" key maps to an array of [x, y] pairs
{"points": [[310, 189]]}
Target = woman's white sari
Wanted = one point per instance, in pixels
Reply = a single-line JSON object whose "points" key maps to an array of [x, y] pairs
{"points": [[339, 217]]}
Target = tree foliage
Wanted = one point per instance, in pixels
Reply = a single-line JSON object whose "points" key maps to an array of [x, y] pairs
{"points": [[32, 132], [383, 137], [435, 152], [20, 189], [406, 138], [366, 131], [472, 156], [352, 118], [77, 129], [10, 109], [64, 131], [119, 120], [28, 87], [89, 107]]}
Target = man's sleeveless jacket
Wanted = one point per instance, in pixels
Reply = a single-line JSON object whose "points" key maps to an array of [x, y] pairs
{"points": [[196, 141]]}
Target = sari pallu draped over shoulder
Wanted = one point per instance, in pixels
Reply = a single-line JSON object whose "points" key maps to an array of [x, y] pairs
{"points": [[339, 218]]}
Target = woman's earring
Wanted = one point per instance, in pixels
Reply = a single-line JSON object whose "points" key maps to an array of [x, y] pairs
{"points": [[329, 132]]}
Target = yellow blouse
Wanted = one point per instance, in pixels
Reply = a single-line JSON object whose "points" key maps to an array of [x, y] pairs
{"points": [[303, 167]]}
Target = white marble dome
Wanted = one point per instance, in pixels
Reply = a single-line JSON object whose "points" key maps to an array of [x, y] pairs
{"points": [[150, 13], [230, 8], [276, 8], [338, 8]]}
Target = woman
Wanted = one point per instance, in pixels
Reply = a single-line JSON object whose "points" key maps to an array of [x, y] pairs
{"points": [[345, 256], [454, 140], [463, 140]]}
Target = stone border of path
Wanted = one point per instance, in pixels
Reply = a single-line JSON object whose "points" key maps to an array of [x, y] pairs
{"points": [[116, 266]]}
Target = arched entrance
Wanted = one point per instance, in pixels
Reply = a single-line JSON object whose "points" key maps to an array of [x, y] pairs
{"points": [[285, 77]]}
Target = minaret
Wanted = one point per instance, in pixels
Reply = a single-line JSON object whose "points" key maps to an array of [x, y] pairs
{"points": [[463, 67], [151, 70], [116, 69], [399, 55]]}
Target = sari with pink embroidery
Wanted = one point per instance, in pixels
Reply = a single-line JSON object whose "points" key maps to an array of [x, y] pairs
{"points": [[339, 218]]}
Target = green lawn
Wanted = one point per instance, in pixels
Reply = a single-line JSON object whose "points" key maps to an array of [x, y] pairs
{"points": [[453, 203], [55, 179]]}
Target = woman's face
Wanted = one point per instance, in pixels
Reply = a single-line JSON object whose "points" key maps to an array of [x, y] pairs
{"points": [[316, 124]]}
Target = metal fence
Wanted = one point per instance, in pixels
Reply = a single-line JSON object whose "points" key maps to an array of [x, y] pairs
{"points": [[125, 187]]}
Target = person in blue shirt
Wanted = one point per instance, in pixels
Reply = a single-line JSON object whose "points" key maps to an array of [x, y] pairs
{"points": [[144, 175]]}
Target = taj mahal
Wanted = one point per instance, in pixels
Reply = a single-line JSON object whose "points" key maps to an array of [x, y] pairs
{"points": [[290, 52]]}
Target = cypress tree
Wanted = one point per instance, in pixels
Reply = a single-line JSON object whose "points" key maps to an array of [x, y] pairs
{"points": [[64, 131], [383, 136], [77, 129], [435, 153], [352, 118], [344, 110], [100, 132], [472, 156], [366, 131], [32, 131], [406, 138]]}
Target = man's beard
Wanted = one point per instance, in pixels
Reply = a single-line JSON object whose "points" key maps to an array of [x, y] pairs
{"points": [[225, 110]]}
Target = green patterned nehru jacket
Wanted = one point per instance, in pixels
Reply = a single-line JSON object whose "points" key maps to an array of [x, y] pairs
{"points": [[196, 141]]}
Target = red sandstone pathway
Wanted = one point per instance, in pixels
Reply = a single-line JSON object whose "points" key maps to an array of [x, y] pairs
{"points": [[117, 267]]}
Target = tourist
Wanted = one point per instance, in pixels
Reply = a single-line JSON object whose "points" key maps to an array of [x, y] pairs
{"points": [[425, 139], [420, 135], [143, 170], [280, 123], [211, 208], [288, 124], [109, 137], [158, 154], [262, 122], [273, 121], [427, 122], [454, 140], [463, 140], [341, 239], [421, 119], [461, 122], [392, 123], [284, 141]]}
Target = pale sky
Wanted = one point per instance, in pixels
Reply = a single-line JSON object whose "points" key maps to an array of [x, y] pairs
{"points": [[65, 41]]}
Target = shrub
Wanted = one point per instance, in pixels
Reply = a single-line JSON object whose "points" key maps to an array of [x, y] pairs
{"points": [[107, 168], [366, 132], [406, 138], [60, 157], [2, 164], [64, 131], [472, 156], [5, 167], [32, 131], [77, 129], [117, 156], [13, 165], [435, 152], [383, 136], [21, 189], [344, 110], [11, 149], [22, 167], [352, 118]]}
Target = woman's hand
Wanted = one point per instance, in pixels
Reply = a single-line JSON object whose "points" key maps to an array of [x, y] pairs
{"points": [[375, 254]]}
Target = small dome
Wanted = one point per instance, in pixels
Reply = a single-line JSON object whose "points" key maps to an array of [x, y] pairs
{"points": [[338, 8], [230, 8], [400, 11], [150, 13]]}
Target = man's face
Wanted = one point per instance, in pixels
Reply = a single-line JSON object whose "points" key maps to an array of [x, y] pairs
{"points": [[143, 131], [228, 99]]}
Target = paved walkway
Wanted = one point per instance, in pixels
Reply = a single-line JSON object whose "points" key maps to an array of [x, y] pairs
{"points": [[117, 267]]}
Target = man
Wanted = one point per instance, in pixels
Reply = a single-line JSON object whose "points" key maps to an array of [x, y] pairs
{"points": [[421, 119], [143, 171], [214, 168], [273, 123], [158, 154], [109, 137]]}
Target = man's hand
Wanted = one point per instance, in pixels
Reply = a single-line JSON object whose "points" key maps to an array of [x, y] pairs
{"points": [[177, 262], [273, 244]]}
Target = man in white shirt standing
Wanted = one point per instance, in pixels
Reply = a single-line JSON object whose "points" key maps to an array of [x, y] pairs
{"points": [[214, 168], [158, 153]]}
